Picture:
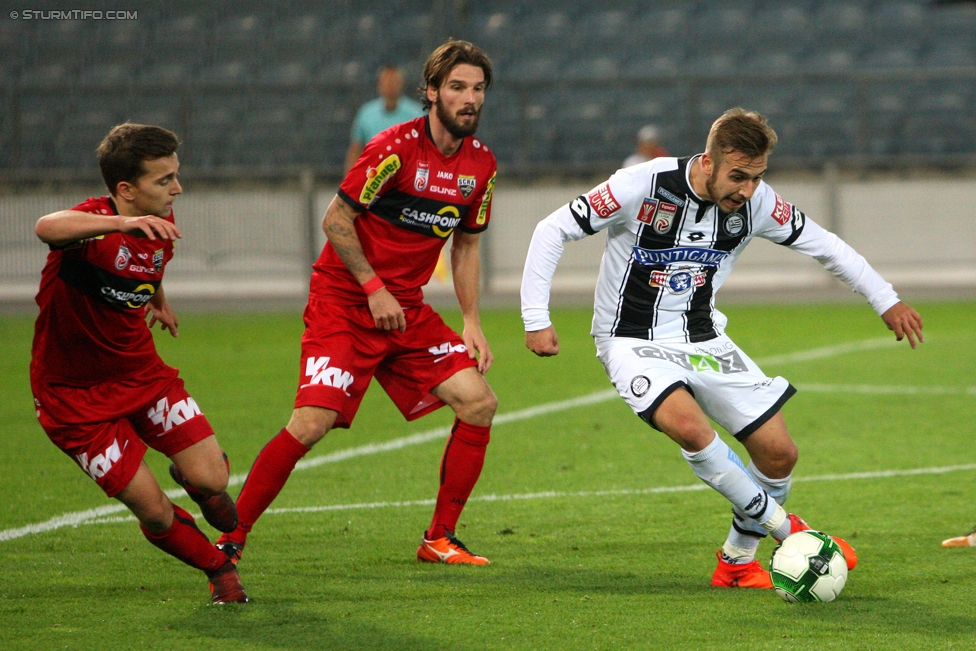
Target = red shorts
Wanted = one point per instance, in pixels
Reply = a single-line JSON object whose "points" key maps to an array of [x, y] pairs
{"points": [[106, 427], [342, 350]]}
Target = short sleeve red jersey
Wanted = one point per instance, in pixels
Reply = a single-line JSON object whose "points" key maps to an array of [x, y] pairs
{"points": [[93, 296], [410, 198]]}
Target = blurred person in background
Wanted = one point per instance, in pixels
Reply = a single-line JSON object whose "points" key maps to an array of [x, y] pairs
{"points": [[415, 185], [379, 114], [648, 146], [675, 228], [101, 391]]}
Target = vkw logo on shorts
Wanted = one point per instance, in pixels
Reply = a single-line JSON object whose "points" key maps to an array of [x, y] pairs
{"points": [[318, 371], [640, 385], [446, 349], [100, 464], [169, 417]]}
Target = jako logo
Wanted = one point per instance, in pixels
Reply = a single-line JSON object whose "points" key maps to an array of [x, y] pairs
{"points": [[446, 349], [170, 417], [319, 372], [101, 463]]}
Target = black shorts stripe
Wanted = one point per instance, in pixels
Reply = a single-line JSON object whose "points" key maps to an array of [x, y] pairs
{"points": [[744, 433], [648, 414]]}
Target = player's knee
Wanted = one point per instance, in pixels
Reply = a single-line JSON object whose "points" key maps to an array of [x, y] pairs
{"points": [[156, 516], [689, 433], [209, 476], [480, 409], [310, 424]]}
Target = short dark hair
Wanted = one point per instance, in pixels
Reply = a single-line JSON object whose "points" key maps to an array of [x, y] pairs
{"points": [[741, 131], [121, 153], [445, 58]]}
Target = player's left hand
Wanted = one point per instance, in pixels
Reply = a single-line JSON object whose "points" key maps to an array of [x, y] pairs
{"points": [[904, 322], [477, 345], [164, 314]]}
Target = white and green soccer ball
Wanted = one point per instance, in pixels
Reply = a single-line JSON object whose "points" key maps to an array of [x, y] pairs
{"points": [[808, 566]]}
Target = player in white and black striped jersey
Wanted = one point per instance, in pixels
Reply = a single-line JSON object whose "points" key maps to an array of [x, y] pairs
{"points": [[675, 227]]}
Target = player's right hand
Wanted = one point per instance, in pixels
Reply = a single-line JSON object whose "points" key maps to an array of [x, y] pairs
{"points": [[386, 311], [150, 227], [543, 343]]}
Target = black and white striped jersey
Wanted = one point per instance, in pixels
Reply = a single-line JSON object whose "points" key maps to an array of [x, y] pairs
{"points": [[668, 252]]}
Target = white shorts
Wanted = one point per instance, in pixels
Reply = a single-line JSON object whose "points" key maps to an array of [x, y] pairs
{"points": [[729, 387]]}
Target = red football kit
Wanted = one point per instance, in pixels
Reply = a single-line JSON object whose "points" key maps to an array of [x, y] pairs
{"points": [[101, 391], [410, 198]]}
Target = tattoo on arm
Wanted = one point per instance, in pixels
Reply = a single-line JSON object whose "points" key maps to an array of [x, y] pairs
{"points": [[342, 234]]}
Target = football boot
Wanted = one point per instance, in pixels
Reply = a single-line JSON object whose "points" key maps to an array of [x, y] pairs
{"points": [[226, 587], [448, 550], [740, 575]]}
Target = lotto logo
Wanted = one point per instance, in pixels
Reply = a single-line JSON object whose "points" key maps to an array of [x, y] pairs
{"points": [[169, 417], [318, 371], [100, 463], [603, 201], [446, 349], [782, 211]]}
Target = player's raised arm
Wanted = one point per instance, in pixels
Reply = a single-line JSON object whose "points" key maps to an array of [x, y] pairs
{"points": [[341, 231], [66, 226]]}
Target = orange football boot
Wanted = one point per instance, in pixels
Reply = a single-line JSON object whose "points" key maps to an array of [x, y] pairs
{"points": [[448, 550], [740, 575], [961, 541]]}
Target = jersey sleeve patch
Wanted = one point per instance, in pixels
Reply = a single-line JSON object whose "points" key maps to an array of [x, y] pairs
{"points": [[782, 211], [602, 200], [581, 211], [377, 176]]}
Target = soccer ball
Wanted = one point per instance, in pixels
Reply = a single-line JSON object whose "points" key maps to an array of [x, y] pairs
{"points": [[808, 566]]}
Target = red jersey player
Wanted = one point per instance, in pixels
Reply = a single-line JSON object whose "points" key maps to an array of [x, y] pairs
{"points": [[101, 391], [413, 186]]}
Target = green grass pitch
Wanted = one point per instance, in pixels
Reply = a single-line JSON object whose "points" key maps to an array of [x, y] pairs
{"points": [[586, 553]]}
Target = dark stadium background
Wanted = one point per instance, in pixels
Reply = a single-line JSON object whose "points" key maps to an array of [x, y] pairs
{"points": [[262, 95]]}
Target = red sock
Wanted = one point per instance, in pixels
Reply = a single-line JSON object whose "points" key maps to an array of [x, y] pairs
{"points": [[267, 477], [460, 468], [187, 543]]}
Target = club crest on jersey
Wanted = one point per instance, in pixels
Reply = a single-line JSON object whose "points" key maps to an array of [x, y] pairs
{"points": [[123, 257], [420, 178], [640, 385], [158, 261], [602, 199], [734, 223], [679, 281], [466, 185]]}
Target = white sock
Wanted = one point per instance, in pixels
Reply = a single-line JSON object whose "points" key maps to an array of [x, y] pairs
{"points": [[745, 533], [721, 468]]}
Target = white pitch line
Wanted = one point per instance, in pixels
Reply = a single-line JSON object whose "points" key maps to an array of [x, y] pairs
{"points": [[78, 517], [887, 390], [874, 474]]}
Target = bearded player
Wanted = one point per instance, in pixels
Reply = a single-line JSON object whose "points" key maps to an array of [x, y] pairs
{"points": [[413, 186], [101, 391]]}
